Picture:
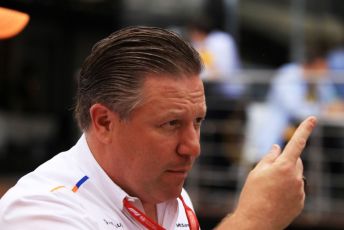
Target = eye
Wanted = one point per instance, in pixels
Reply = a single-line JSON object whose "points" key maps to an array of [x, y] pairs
{"points": [[198, 122], [172, 124]]}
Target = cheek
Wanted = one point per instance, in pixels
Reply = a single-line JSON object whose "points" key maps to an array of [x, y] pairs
{"points": [[156, 152], [148, 145], [165, 146], [156, 140]]}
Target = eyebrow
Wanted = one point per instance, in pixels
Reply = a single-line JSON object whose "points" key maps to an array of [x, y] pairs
{"points": [[179, 112], [172, 112]]}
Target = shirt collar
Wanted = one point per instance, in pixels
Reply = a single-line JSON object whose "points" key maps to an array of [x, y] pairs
{"points": [[110, 192]]}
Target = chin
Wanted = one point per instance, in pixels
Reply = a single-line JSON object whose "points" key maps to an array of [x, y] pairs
{"points": [[174, 193]]}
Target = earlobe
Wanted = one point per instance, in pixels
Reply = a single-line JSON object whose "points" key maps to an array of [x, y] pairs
{"points": [[102, 120]]}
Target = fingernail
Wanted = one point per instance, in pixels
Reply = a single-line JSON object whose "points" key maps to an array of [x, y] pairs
{"points": [[275, 147], [313, 119]]}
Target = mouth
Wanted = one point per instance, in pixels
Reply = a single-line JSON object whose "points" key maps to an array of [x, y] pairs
{"points": [[179, 172]]}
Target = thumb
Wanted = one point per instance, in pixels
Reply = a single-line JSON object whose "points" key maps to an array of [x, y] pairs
{"points": [[272, 155]]}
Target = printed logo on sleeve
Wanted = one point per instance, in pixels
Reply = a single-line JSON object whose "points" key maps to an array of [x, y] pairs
{"points": [[113, 224], [182, 225]]}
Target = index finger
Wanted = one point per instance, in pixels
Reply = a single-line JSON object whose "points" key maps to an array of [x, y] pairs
{"points": [[297, 143]]}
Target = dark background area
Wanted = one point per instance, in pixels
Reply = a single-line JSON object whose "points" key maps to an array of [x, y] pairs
{"points": [[39, 66]]}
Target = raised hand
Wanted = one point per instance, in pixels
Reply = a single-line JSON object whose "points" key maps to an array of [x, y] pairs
{"points": [[273, 194]]}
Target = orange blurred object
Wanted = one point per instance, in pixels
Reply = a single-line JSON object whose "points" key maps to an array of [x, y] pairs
{"points": [[12, 22]]}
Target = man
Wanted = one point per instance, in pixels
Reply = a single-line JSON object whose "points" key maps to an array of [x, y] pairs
{"points": [[217, 49], [298, 90], [140, 104], [220, 57], [335, 59]]}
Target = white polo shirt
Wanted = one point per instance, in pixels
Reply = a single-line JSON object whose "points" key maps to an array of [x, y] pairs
{"points": [[71, 191]]}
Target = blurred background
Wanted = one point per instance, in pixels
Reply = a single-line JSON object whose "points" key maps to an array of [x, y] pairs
{"points": [[268, 64]]}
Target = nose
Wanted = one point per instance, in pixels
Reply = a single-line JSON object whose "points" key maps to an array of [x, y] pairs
{"points": [[189, 142]]}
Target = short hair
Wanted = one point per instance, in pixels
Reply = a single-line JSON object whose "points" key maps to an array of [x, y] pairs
{"points": [[315, 48], [114, 72]]}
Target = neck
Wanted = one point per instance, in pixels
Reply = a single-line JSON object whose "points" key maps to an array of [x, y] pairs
{"points": [[150, 211], [96, 148]]}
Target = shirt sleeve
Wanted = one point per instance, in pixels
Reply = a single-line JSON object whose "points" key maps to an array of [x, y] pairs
{"points": [[41, 212]]}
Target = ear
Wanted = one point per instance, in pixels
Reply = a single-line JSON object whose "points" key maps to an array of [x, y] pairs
{"points": [[103, 121]]}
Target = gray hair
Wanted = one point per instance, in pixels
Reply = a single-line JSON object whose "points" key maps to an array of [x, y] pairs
{"points": [[113, 74]]}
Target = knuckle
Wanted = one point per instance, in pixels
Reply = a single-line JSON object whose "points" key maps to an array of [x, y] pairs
{"points": [[299, 182], [299, 190], [302, 199], [286, 168], [301, 143]]}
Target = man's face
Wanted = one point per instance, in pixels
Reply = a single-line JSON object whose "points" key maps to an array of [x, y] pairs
{"points": [[316, 70], [159, 143]]}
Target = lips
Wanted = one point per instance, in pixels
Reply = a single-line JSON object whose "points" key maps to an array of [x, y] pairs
{"points": [[180, 176], [180, 171]]}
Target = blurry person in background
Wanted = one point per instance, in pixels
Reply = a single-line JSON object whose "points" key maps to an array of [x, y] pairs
{"points": [[297, 91], [217, 49], [140, 105], [335, 59], [219, 53]]}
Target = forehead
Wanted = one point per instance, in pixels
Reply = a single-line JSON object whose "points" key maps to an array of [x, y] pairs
{"points": [[186, 91]]}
